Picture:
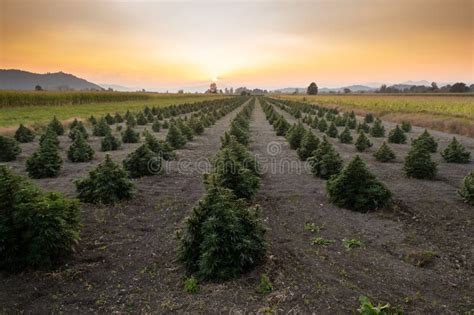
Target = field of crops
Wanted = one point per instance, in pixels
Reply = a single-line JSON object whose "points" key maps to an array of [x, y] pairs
{"points": [[450, 113], [36, 113], [234, 205]]}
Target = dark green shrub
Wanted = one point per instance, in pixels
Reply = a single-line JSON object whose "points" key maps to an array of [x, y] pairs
{"points": [[322, 125], [159, 147], [357, 189], [92, 120], [130, 136], [142, 162], [397, 135], [24, 135], [377, 130], [369, 118], [109, 143], [456, 153], [156, 126], [175, 138], [141, 119], [101, 128], [80, 150], [185, 130], [107, 184], [166, 124], [332, 130], [345, 136], [109, 119], [37, 229], [325, 161], [314, 123], [239, 133], [51, 136], [309, 143], [77, 126], [384, 153], [230, 173], [118, 118], [281, 126], [362, 143], [9, 149], [406, 126], [466, 191], [223, 237], [363, 127], [241, 153], [196, 125], [426, 141], [295, 135], [351, 123], [131, 121], [56, 126], [45, 162], [418, 163]]}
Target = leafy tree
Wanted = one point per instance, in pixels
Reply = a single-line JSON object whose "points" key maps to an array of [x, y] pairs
{"points": [[377, 130], [110, 143], [466, 191], [45, 162], [312, 89], [130, 136], [37, 229], [295, 135], [456, 153], [406, 126], [175, 138], [397, 135], [357, 189], [106, 184], [101, 128], [230, 173], [223, 237], [362, 143], [332, 130], [322, 125], [426, 141], [9, 149], [309, 143], [80, 150], [384, 153], [160, 147], [142, 162], [418, 163], [56, 126], [325, 161], [459, 87], [345, 136], [24, 135]]}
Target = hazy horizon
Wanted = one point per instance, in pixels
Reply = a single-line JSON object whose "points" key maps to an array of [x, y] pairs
{"points": [[168, 46]]}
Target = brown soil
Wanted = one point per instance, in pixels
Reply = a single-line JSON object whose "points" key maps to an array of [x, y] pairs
{"points": [[126, 262]]}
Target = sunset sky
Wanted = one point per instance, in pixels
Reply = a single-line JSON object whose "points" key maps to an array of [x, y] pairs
{"points": [[185, 44]]}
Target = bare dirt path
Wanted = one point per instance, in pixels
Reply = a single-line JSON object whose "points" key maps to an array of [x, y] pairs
{"points": [[431, 218]]}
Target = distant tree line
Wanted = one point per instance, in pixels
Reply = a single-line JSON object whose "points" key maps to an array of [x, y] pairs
{"points": [[459, 87]]}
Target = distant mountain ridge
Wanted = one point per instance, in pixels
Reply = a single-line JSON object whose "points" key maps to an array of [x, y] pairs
{"points": [[12, 79]]}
